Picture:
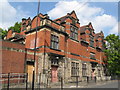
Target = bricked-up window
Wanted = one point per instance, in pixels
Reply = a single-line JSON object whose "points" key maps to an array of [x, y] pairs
{"points": [[91, 41], [54, 42], [74, 69], [84, 69], [74, 33], [92, 55]]}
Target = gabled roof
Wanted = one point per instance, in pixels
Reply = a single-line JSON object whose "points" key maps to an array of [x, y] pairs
{"points": [[72, 14], [99, 34], [90, 25], [83, 28], [102, 33], [40, 15], [60, 18]]}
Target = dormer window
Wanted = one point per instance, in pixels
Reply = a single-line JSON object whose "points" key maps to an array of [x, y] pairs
{"points": [[74, 33]]}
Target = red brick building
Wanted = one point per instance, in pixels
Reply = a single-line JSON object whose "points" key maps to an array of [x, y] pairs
{"points": [[63, 48]]}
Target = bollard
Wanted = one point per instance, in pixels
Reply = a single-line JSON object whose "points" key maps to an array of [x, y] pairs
{"points": [[26, 81], [76, 81], [87, 79], [95, 79], [33, 80], [39, 80], [8, 81], [47, 83], [61, 83]]}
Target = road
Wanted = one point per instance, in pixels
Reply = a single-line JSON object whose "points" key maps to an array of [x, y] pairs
{"points": [[112, 84]]}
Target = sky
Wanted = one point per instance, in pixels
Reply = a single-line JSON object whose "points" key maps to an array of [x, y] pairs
{"points": [[102, 15]]}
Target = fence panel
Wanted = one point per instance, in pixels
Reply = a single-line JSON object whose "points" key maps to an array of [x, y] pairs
{"points": [[13, 80]]}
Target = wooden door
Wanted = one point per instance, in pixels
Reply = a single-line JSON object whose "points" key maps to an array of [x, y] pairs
{"points": [[54, 74], [30, 72]]}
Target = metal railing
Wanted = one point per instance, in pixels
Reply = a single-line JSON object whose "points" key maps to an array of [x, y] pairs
{"points": [[11, 80], [21, 80]]}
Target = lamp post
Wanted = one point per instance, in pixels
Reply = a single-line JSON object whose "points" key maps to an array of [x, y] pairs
{"points": [[35, 45]]}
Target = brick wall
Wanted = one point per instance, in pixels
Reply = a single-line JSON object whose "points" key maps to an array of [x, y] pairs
{"points": [[13, 57]]}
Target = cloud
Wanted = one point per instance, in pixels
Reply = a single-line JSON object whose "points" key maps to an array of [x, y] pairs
{"points": [[64, 6], [104, 22], [115, 29], [9, 15], [86, 13]]}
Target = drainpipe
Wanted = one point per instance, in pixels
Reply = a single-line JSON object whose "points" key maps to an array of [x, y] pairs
{"points": [[25, 61], [66, 45], [44, 52]]}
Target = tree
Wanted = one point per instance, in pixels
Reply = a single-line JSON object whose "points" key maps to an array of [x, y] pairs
{"points": [[113, 54], [16, 27], [3, 33]]}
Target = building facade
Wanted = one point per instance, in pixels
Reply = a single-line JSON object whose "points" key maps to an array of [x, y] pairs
{"points": [[63, 48]]}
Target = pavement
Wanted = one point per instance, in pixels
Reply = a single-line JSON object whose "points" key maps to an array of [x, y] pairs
{"points": [[110, 84], [98, 84]]}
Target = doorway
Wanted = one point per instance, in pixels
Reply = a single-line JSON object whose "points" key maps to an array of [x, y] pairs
{"points": [[30, 67], [54, 74]]}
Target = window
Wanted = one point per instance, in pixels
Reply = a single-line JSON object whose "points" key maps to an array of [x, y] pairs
{"points": [[77, 69], [24, 27], [92, 55], [54, 62], [29, 22], [91, 41], [54, 42], [74, 22], [74, 69], [74, 33], [84, 69]]}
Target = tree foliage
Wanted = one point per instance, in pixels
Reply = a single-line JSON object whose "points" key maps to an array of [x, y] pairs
{"points": [[16, 27], [3, 33], [113, 54]]}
